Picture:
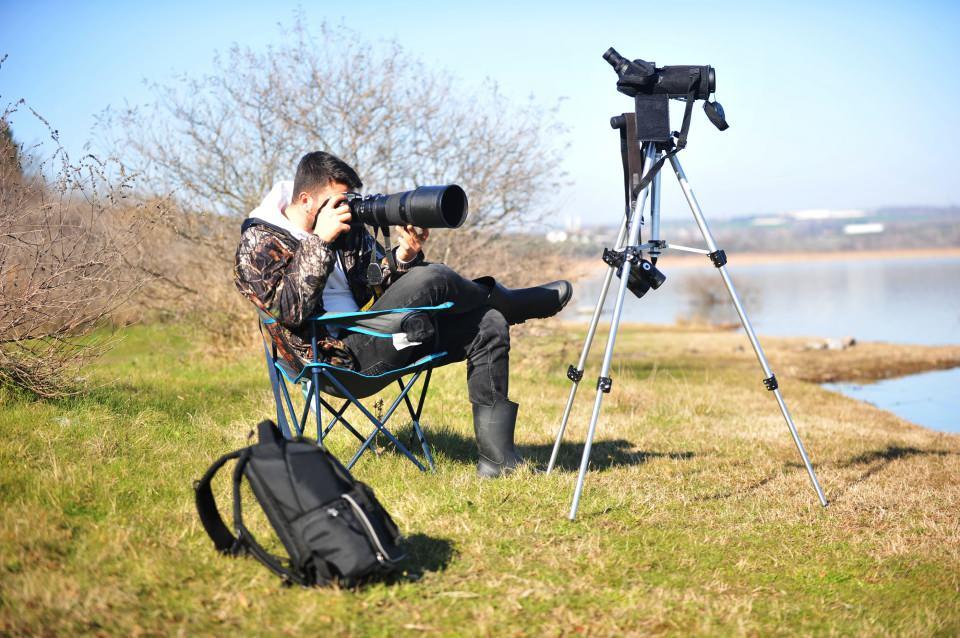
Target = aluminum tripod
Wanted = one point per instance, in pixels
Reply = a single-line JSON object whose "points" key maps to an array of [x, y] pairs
{"points": [[630, 230]]}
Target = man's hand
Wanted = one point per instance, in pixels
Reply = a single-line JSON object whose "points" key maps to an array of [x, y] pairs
{"points": [[410, 241], [332, 218]]}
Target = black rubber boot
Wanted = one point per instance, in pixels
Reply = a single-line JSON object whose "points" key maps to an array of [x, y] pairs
{"points": [[494, 426], [519, 304]]}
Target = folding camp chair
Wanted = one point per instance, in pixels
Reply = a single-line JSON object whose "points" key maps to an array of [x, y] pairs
{"points": [[317, 378]]}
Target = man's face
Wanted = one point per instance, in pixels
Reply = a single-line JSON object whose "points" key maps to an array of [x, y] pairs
{"points": [[328, 192], [328, 197]]}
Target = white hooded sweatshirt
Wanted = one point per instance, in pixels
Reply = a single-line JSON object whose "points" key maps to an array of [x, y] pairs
{"points": [[336, 292]]}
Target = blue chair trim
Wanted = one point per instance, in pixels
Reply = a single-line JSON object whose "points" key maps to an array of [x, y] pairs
{"points": [[306, 369], [339, 316], [368, 331]]}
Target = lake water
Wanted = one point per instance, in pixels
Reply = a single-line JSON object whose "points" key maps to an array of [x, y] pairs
{"points": [[929, 398], [913, 301], [895, 300]]}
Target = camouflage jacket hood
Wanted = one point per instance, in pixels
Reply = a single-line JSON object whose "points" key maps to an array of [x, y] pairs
{"points": [[284, 277]]}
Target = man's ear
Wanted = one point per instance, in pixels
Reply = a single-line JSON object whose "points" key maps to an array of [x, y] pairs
{"points": [[307, 201]]}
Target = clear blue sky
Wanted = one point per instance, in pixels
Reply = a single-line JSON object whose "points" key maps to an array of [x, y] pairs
{"points": [[837, 105]]}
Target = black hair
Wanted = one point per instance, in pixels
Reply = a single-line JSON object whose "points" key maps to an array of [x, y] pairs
{"points": [[318, 169]]}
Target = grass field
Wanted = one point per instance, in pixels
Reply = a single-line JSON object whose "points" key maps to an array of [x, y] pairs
{"points": [[697, 517]]}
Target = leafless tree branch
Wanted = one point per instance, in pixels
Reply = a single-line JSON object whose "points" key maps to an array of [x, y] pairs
{"points": [[218, 142]]}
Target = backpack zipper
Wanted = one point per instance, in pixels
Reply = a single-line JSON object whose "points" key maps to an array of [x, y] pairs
{"points": [[382, 554]]}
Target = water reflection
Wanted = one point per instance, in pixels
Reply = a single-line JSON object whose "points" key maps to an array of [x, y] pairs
{"points": [[895, 300]]}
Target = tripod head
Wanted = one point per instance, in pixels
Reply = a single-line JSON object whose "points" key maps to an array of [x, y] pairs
{"points": [[651, 87]]}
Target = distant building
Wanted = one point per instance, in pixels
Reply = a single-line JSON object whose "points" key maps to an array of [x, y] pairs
{"points": [[820, 214], [556, 236], [769, 221], [863, 229]]}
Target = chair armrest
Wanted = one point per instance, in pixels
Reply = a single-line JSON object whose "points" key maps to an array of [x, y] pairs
{"points": [[363, 317], [379, 323], [348, 318]]}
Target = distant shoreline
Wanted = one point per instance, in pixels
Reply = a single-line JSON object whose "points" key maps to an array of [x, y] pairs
{"points": [[682, 260]]}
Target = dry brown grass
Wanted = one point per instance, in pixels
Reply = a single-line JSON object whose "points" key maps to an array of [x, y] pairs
{"points": [[697, 516]]}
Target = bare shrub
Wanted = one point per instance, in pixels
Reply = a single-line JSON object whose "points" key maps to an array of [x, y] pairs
{"points": [[709, 302], [68, 238], [187, 264], [218, 142]]}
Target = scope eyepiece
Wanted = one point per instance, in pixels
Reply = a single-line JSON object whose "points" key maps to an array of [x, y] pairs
{"points": [[615, 59]]}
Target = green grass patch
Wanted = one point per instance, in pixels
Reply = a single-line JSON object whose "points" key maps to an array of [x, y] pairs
{"points": [[696, 519]]}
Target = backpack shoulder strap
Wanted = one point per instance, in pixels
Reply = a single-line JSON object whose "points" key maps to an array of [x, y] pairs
{"points": [[223, 540]]}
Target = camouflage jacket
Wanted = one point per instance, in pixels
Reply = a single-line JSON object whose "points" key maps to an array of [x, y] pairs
{"points": [[284, 277]]}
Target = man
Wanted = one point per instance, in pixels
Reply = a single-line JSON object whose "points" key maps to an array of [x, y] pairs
{"points": [[299, 256]]}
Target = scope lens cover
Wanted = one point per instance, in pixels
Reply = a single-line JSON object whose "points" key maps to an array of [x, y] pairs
{"points": [[715, 114]]}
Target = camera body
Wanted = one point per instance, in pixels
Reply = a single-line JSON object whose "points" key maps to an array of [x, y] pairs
{"points": [[643, 275], [424, 206]]}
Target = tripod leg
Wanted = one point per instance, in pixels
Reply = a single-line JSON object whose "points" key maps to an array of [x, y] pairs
{"points": [[719, 260], [654, 216], [604, 382], [575, 374]]}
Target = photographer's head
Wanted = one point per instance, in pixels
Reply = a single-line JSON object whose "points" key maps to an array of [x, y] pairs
{"points": [[319, 183], [319, 172]]}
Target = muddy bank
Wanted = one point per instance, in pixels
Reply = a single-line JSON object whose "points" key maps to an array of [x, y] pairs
{"points": [[790, 357]]}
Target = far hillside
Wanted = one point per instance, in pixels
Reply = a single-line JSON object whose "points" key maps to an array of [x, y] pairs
{"points": [[798, 231]]}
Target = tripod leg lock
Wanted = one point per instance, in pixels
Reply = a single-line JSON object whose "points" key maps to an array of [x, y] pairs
{"points": [[613, 258], [573, 374], [718, 257], [604, 384], [771, 383]]}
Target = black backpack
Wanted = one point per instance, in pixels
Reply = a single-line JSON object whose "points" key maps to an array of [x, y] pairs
{"points": [[332, 526]]}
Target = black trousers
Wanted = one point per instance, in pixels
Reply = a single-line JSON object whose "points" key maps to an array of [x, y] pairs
{"points": [[471, 331]]}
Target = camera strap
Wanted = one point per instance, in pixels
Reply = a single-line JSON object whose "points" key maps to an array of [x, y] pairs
{"points": [[687, 112], [374, 270]]}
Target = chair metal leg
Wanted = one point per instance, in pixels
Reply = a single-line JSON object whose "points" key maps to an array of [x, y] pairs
{"points": [[315, 373], [415, 416], [307, 400], [275, 383], [424, 445], [338, 417], [379, 425], [284, 426]]}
